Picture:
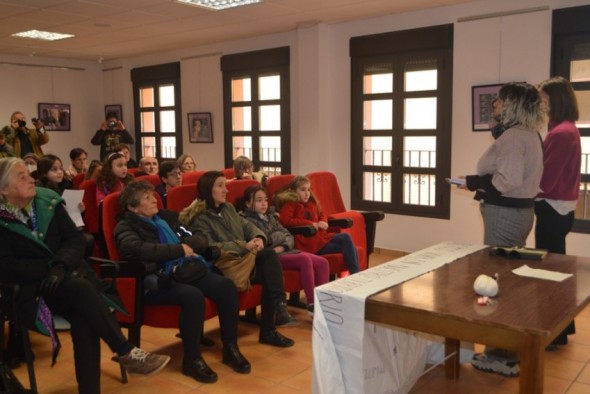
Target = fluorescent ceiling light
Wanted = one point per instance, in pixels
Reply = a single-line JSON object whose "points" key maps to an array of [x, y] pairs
{"points": [[219, 4], [42, 35]]}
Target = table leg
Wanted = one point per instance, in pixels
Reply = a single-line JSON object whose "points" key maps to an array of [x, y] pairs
{"points": [[452, 363], [532, 365]]}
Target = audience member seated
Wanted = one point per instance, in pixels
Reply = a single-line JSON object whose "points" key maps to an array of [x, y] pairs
{"points": [[93, 170], [112, 132], [148, 165], [244, 169], [79, 159], [31, 160], [6, 150], [171, 176], [113, 176], [50, 175], [124, 149], [156, 239], [187, 163]]}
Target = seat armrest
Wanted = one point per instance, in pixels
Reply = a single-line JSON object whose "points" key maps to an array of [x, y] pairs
{"points": [[124, 269], [373, 216], [340, 222], [306, 231]]}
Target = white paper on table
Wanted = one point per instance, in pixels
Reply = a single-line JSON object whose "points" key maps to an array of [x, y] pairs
{"points": [[525, 270], [73, 198]]}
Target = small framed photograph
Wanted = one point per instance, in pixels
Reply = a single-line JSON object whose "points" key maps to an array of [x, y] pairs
{"points": [[55, 117], [113, 109], [200, 127], [483, 106]]}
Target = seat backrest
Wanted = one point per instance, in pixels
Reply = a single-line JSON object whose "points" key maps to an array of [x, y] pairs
{"points": [[276, 183], [90, 216], [77, 180], [236, 189], [180, 197], [229, 173], [191, 177], [132, 171], [154, 179], [324, 186]]}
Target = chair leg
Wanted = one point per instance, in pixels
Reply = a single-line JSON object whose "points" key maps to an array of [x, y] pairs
{"points": [[250, 316], [29, 359], [295, 300]]}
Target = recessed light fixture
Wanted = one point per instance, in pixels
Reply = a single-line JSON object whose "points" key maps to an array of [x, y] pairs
{"points": [[42, 35], [219, 4]]}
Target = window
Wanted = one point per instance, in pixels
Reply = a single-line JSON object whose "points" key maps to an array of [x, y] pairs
{"points": [[571, 60], [401, 121], [257, 110], [156, 97]]}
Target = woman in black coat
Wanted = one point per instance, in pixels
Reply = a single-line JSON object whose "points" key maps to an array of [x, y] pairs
{"points": [[155, 239]]}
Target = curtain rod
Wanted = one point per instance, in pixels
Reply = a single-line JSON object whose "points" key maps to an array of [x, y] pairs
{"points": [[503, 13], [42, 66]]}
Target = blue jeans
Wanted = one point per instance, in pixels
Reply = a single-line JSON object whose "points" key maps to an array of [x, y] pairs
{"points": [[342, 243]]}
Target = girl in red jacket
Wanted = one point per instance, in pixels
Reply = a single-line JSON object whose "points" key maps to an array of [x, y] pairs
{"points": [[298, 207]]}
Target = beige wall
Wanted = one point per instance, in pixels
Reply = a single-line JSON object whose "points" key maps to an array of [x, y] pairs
{"points": [[486, 51]]}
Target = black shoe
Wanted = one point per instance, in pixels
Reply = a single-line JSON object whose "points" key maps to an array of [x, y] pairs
{"points": [[283, 318], [275, 338], [236, 360], [199, 370]]}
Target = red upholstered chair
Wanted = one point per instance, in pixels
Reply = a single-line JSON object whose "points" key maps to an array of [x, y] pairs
{"points": [[132, 171], [77, 180], [91, 219], [236, 189], [229, 173], [154, 179], [180, 197], [276, 183], [191, 177]]}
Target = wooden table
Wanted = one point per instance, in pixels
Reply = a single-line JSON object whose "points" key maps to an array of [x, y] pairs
{"points": [[528, 315]]}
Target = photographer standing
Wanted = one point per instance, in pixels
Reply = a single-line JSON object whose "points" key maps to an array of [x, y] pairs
{"points": [[111, 133], [22, 139]]}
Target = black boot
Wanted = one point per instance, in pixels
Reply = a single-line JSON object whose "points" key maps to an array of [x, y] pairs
{"points": [[199, 370], [236, 360], [283, 318], [275, 338]]}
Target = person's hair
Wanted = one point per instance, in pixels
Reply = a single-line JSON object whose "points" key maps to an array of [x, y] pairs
{"points": [[44, 165], [91, 168], [249, 195], [205, 187], [77, 152], [521, 105], [107, 179], [6, 166], [166, 167], [31, 155], [112, 115], [298, 181], [131, 195], [563, 104], [120, 147], [13, 115], [241, 164], [182, 159]]}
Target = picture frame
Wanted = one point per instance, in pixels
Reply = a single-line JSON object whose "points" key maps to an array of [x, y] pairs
{"points": [[482, 111], [114, 108], [55, 117], [200, 127]]}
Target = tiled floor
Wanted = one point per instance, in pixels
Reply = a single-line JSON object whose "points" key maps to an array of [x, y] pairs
{"points": [[289, 371]]}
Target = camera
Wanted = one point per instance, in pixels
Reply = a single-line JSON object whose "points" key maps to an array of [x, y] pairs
{"points": [[112, 124], [34, 120]]}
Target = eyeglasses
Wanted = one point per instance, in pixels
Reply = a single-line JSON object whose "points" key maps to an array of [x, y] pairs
{"points": [[175, 173]]}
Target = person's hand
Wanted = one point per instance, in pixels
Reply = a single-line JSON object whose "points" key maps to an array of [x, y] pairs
{"points": [[37, 123], [255, 244], [81, 207], [120, 125], [52, 280], [279, 249], [463, 186], [322, 225], [188, 251], [315, 225], [104, 126]]}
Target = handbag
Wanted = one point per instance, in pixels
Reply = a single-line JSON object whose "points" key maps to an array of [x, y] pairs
{"points": [[189, 269], [238, 268]]}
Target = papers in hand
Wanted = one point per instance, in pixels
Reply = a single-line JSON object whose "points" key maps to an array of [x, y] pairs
{"points": [[455, 181], [519, 253], [73, 199], [525, 270]]}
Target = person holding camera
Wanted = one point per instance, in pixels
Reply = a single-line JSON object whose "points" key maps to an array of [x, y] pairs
{"points": [[112, 132], [22, 139]]}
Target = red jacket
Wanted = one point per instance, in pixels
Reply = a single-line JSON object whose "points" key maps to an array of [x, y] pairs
{"points": [[293, 214]]}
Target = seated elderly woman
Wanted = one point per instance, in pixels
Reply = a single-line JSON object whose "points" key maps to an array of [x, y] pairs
{"points": [[218, 220], [155, 239], [42, 251]]}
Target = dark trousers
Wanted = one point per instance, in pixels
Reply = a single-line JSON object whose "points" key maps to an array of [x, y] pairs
{"points": [[270, 275], [78, 301], [551, 229], [191, 299], [342, 243]]}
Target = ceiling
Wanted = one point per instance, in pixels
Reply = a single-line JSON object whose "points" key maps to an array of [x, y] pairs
{"points": [[111, 29]]}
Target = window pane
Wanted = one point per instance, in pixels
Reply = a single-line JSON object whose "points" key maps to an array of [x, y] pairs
{"points": [[270, 149], [420, 152], [580, 65], [148, 146], [241, 118], [166, 95], [148, 122], [420, 113], [167, 121], [168, 147], [585, 155], [242, 146], [377, 151], [420, 80], [583, 206], [269, 88], [146, 97], [240, 90], [419, 189], [270, 171], [583, 98], [270, 118], [378, 115], [378, 78], [377, 186]]}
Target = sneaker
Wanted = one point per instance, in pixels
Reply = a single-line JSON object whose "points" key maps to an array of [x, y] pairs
{"points": [[283, 317], [310, 310], [501, 366], [140, 362]]}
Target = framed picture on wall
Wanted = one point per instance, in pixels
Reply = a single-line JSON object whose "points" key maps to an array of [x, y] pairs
{"points": [[116, 109], [200, 127], [55, 117], [482, 108]]}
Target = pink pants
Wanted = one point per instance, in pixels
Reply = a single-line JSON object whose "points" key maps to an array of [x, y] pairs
{"points": [[313, 270]]}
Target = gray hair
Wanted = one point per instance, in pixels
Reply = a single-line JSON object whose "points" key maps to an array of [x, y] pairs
{"points": [[6, 166], [131, 194]]}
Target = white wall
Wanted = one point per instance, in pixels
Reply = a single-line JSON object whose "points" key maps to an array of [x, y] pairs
{"points": [[488, 50]]}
